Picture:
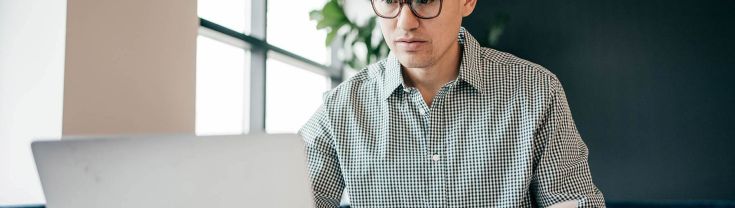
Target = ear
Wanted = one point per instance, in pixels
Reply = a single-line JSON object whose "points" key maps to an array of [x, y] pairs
{"points": [[467, 7]]}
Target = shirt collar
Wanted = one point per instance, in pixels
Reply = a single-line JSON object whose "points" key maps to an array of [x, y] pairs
{"points": [[469, 70]]}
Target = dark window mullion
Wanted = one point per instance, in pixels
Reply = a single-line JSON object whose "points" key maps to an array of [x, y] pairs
{"points": [[258, 56]]}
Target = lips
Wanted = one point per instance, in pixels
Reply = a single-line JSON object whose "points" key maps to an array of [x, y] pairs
{"points": [[410, 44]]}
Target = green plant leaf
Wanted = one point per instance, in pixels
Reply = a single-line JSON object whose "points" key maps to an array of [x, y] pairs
{"points": [[333, 19], [332, 10], [496, 28], [330, 37], [332, 16], [315, 15]]}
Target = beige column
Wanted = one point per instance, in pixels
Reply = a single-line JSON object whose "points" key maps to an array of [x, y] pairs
{"points": [[130, 67]]}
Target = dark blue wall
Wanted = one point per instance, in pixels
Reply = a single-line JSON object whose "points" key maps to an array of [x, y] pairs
{"points": [[651, 85]]}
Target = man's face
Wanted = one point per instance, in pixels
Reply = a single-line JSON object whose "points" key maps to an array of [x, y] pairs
{"points": [[420, 43]]}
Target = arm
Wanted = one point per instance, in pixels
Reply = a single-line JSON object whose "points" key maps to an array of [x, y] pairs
{"points": [[561, 171], [324, 170]]}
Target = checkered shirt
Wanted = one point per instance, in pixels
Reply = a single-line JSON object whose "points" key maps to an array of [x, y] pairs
{"points": [[500, 135]]}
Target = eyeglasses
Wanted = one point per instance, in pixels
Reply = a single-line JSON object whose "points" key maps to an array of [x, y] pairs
{"points": [[424, 9]]}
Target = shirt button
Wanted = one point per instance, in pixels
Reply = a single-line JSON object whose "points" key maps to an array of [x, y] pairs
{"points": [[422, 111], [435, 157]]}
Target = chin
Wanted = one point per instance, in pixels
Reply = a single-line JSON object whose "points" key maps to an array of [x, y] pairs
{"points": [[414, 61]]}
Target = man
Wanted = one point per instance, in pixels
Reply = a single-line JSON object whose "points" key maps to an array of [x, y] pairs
{"points": [[443, 122]]}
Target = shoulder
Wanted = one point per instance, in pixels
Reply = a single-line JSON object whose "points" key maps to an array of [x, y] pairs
{"points": [[365, 85], [520, 72]]}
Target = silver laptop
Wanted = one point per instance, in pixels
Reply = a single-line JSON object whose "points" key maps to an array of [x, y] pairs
{"points": [[174, 171]]}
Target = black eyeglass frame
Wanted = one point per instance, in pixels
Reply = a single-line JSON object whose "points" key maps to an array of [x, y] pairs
{"points": [[410, 6]]}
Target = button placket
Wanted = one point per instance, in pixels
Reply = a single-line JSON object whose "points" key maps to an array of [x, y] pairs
{"points": [[435, 142], [422, 112], [435, 157]]}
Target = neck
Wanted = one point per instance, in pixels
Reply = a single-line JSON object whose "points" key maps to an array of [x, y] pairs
{"points": [[431, 79]]}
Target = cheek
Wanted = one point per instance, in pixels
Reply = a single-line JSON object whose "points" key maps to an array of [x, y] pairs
{"points": [[387, 26], [443, 36], [386, 30], [450, 27]]}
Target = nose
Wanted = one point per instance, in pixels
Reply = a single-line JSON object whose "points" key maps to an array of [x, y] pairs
{"points": [[406, 19]]}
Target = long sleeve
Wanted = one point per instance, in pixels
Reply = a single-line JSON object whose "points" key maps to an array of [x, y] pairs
{"points": [[561, 170], [323, 164]]}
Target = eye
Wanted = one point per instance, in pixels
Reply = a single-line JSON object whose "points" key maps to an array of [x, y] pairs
{"points": [[423, 1], [389, 1]]}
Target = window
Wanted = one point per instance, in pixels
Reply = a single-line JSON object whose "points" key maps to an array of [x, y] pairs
{"points": [[289, 27], [293, 93], [250, 84], [222, 88], [292, 96]]}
